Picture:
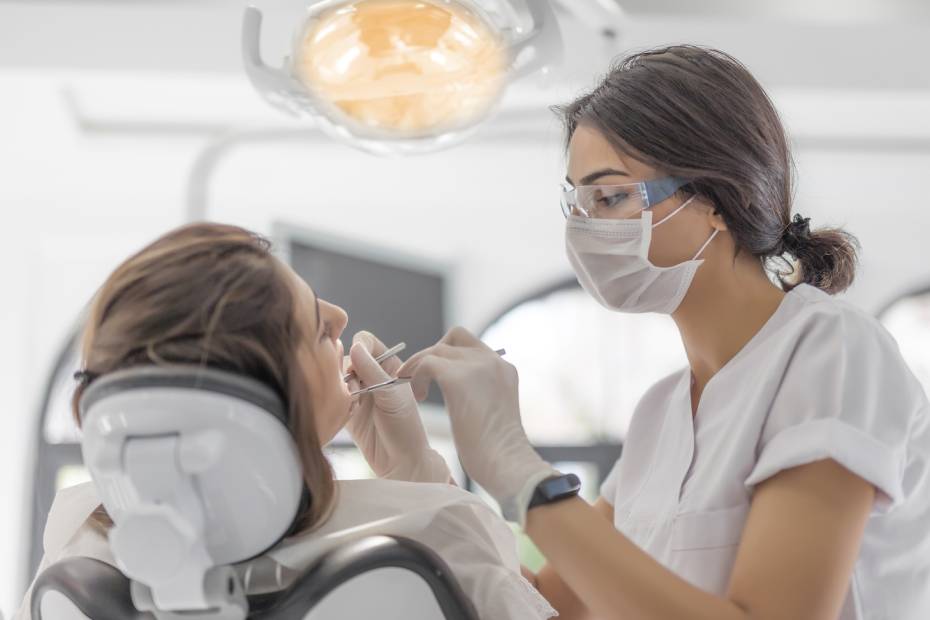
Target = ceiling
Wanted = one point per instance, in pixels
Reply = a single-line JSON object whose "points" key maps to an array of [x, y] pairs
{"points": [[846, 44], [851, 45], [795, 10], [842, 10]]}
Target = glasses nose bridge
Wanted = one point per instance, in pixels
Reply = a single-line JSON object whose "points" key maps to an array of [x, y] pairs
{"points": [[569, 201], [577, 209], [584, 205]]}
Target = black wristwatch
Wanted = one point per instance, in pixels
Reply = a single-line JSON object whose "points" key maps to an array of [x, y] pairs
{"points": [[555, 489]]}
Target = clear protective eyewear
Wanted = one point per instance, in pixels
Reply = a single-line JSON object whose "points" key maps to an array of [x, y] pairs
{"points": [[617, 201]]}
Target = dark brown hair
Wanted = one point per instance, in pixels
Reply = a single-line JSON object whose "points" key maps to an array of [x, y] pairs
{"points": [[698, 113], [210, 295]]}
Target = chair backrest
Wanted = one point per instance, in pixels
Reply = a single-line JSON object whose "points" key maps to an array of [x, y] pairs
{"points": [[198, 469], [378, 577]]}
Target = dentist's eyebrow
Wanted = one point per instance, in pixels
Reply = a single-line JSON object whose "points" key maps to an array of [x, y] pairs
{"points": [[594, 176]]}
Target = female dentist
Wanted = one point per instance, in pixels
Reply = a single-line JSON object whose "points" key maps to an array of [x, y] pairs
{"points": [[785, 474]]}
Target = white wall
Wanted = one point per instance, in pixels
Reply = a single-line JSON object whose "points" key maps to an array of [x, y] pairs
{"points": [[71, 208], [881, 198]]}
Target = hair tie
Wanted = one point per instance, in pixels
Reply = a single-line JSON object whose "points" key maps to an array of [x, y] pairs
{"points": [[84, 377], [797, 233]]}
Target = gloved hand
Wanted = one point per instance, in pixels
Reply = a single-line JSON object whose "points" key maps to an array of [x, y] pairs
{"points": [[385, 424], [480, 390]]}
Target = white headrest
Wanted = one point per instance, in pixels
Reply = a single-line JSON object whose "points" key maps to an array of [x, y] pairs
{"points": [[196, 467]]}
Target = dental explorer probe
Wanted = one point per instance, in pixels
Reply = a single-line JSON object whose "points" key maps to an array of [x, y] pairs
{"points": [[396, 380]]}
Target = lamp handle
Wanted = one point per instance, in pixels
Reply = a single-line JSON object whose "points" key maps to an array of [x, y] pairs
{"points": [[277, 86], [545, 39]]}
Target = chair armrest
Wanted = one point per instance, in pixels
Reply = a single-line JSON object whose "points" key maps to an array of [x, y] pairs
{"points": [[97, 589]]}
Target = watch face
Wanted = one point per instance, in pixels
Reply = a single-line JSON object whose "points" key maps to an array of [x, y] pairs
{"points": [[553, 488]]}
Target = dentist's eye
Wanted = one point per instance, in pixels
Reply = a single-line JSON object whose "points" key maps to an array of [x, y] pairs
{"points": [[615, 199]]}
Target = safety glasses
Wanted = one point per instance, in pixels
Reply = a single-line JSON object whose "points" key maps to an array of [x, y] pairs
{"points": [[617, 201]]}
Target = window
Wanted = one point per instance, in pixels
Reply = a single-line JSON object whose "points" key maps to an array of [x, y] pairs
{"points": [[582, 368], [58, 456]]}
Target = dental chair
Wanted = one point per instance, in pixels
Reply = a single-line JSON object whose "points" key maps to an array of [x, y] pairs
{"points": [[199, 472]]}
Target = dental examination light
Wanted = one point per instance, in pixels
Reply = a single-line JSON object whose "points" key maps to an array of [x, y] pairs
{"points": [[399, 77]]}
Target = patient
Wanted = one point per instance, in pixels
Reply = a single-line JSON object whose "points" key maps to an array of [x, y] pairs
{"points": [[213, 294]]}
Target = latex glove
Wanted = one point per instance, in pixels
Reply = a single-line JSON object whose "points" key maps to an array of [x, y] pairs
{"points": [[480, 390], [386, 424]]}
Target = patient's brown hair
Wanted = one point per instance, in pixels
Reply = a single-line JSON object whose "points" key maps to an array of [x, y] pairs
{"points": [[211, 295]]}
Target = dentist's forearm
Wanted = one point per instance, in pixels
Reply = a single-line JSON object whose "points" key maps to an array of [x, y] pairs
{"points": [[615, 578], [560, 596]]}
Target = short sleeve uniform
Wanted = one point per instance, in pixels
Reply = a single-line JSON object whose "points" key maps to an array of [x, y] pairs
{"points": [[821, 379]]}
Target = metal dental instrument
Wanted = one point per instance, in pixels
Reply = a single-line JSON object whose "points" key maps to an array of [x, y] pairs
{"points": [[397, 380], [379, 386], [397, 348]]}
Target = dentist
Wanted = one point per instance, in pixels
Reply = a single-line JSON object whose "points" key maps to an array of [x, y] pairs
{"points": [[785, 473]]}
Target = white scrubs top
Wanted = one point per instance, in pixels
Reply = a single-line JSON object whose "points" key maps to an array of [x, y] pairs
{"points": [[821, 379], [477, 545]]}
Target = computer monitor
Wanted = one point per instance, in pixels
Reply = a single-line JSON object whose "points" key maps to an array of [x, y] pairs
{"points": [[396, 296]]}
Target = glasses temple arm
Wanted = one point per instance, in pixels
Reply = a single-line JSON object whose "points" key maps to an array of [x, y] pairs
{"points": [[660, 189]]}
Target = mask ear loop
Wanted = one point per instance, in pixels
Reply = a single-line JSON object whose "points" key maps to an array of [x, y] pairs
{"points": [[706, 243], [675, 212]]}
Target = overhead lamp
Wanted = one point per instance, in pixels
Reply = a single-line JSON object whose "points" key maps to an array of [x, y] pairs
{"points": [[399, 76]]}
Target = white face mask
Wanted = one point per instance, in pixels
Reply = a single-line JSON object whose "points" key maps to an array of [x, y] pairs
{"points": [[611, 260]]}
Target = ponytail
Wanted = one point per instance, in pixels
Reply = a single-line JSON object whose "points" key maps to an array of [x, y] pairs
{"points": [[826, 257]]}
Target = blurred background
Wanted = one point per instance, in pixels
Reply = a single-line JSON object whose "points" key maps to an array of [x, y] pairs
{"points": [[122, 119]]}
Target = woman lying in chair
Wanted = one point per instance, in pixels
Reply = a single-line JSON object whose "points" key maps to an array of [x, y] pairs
{"points": [[213, 295]]}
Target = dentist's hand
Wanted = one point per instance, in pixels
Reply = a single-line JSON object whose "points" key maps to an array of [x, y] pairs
{"points": [[386, 424], [480, 390]]}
